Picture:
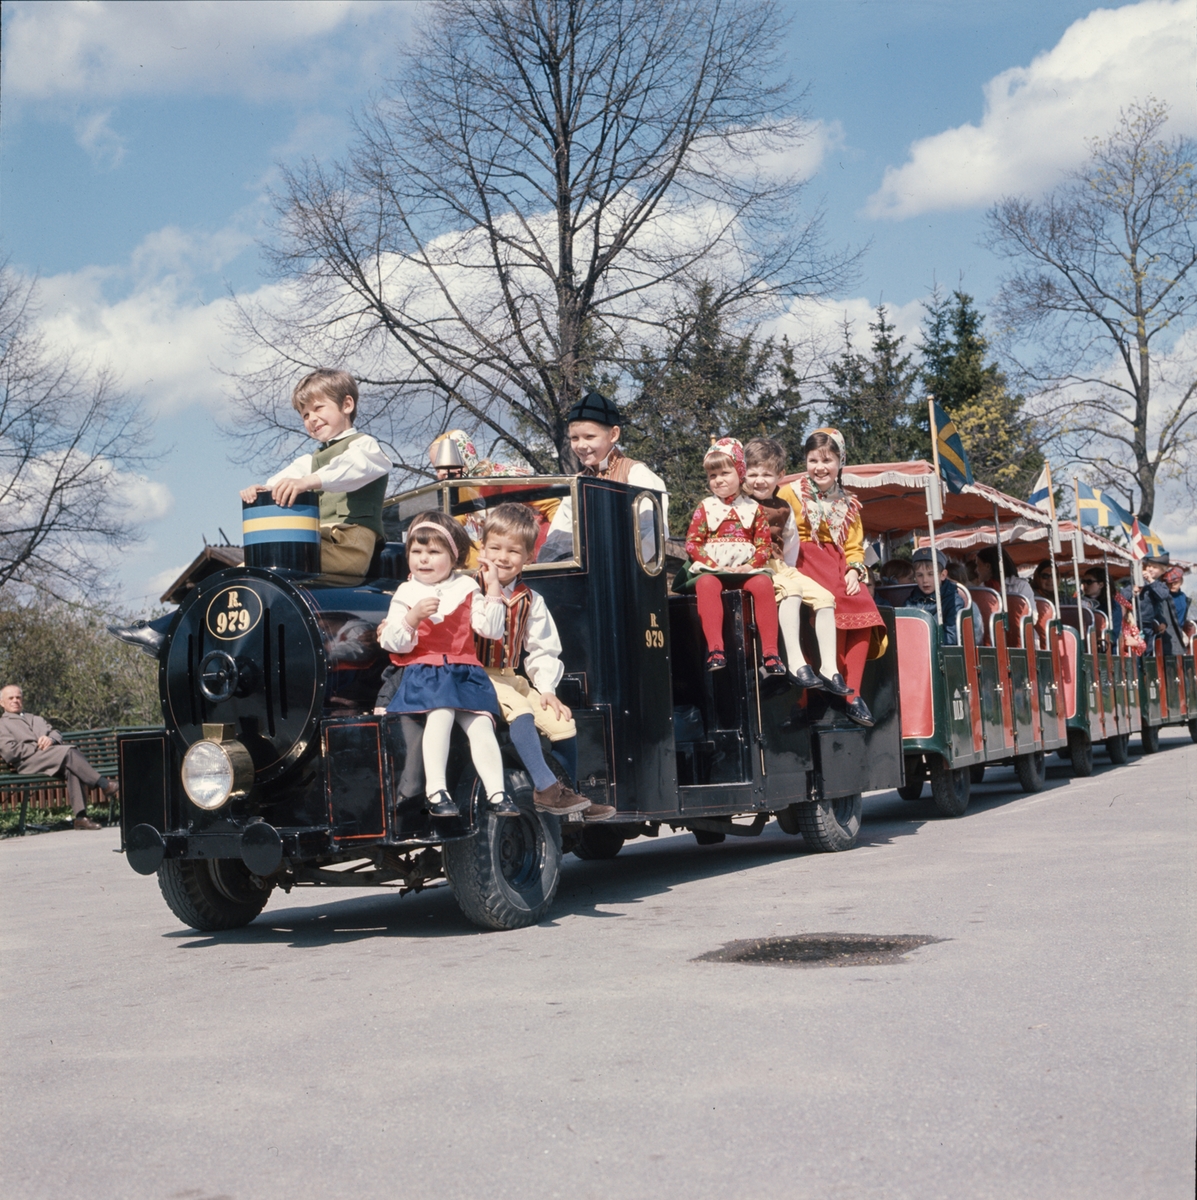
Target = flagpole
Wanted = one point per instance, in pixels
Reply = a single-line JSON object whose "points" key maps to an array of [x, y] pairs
{"points": [[997, 529], [934, 434], [1078, 543], [930, 517]]}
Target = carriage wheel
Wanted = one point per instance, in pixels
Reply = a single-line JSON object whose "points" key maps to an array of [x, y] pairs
{"points": [[1031, 770], [598, 842], [1149, 735], [916, 776], [976, 773], [1080, 752], [829, 826], [1118, 748], [1193, 730], [949, 788], [212, 894]]}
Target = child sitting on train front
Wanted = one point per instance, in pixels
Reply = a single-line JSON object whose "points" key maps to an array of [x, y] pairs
{"points": [[922, 595], [765, 461], [530, 708], [832, 552], [429, 631], [729, 544], [349, 470]]}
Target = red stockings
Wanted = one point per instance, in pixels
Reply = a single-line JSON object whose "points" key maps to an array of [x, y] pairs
{"points": [[760, 587], [853, 648]]}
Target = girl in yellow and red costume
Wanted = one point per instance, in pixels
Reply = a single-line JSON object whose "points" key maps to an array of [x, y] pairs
{"points": [[831, 552]]}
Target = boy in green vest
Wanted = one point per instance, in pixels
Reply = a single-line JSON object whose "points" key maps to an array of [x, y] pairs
{"points": [[349, 470]]}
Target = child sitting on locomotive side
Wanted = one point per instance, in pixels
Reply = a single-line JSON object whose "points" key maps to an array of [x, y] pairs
{"points": [[831, 551], [429, 631], [922, 595], [765, 461], [529, 703], [729, 544], [349, 470]]}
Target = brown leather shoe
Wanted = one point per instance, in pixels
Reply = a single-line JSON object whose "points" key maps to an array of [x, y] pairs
{"points": [[110, 787], [559, 800], [598, 812], [82, 821]]}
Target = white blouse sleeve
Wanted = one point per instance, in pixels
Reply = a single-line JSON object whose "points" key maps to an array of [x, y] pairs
{"points": [[297, 470], [398, 637], [790, 542], [362, 462], [543, 663], [488, 615]]}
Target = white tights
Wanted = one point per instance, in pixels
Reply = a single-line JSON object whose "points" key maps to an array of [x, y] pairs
{"points": [[788, 612], [484, 749]]}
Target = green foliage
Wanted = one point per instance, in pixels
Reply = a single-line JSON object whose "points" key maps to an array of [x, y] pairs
{"points": [[72, 671], [710, 384], [871, 400], [1000, 439]]}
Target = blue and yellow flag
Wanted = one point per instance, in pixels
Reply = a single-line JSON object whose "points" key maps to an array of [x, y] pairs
{"points": [[1095, 508], [953, 461], [1155, 545]]}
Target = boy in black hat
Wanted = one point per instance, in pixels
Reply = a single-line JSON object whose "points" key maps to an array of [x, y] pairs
{"points": [[922, 595], [593, 437]]}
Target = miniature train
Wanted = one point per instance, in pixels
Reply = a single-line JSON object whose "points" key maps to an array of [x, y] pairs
{"points": [[273, 771]]}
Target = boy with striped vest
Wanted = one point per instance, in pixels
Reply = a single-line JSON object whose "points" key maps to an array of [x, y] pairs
{"points": [[530, 708], [349, 470]]}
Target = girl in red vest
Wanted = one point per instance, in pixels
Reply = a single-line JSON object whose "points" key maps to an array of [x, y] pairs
{"points": [[429, 631]]}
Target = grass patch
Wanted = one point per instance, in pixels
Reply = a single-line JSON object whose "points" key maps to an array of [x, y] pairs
{"points": [[55, 819]]}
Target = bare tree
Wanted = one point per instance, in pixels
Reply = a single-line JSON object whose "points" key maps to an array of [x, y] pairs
{"points": [[67, 440], [534, 199], [1101, 286]]}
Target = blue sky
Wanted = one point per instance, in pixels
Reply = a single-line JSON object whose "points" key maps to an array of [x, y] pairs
{"points": [[139, 142]]}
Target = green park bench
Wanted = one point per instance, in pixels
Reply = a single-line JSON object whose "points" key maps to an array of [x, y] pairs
{"points": [[98, 746]]}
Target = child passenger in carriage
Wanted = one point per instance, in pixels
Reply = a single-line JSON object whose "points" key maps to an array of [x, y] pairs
{"points": [[927, 576], [729, 544], [529, 703]]}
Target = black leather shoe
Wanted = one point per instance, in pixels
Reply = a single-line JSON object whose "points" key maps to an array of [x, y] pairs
{"points": [[858, 711], [440, 804], [806, 677], [772, 666], [503, 806], [141, 634], [835, 685]]}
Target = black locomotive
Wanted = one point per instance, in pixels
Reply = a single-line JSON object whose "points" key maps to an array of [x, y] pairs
{"points": [[273, 770]]}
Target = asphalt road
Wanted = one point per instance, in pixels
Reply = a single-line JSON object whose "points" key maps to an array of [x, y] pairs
{"points": [[362, 1045]]}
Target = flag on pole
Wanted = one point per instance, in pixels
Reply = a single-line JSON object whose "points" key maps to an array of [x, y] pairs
{"points": [[1041, 493], [953, 461], [1138, 544], [1155, 545], [1094, 508]]}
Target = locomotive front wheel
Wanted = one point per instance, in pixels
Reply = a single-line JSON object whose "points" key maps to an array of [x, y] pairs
{"points": [[828, 826], [1080, 751], [1118, 748], [505, 874], [1031, 770], [1150, 737], [949, 788], [212, 894]]}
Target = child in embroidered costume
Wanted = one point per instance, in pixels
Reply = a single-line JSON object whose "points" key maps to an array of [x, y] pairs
{"points": [[508, 542], [831, 551], [429, 630], [349, 470], [729, 544], [765, 461]]}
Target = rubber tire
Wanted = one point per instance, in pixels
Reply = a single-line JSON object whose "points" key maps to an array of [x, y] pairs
{"points": [[707, 837], [976, 773], [916, 776], [949, 788], [212, 894], [1031, 770], [531, 844], [911, 791], [598, 843], [830, 826], [1193, 730], [1080, 753], [1118, 748], [1149, 735]]}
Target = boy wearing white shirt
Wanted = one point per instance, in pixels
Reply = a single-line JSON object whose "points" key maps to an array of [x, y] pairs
{"points": [[349, 470], [529, 705]]}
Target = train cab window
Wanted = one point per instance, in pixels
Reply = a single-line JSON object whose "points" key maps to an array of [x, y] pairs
{"points": [[551, 499], [650, 536], [397, 513]]}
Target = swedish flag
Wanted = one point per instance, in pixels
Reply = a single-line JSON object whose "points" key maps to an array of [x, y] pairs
{"points": [[953, 461], [1095, 508], [1155, 545]]}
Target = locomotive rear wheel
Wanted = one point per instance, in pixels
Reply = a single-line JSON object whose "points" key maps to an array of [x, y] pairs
{"points": [[829, 826], [1149, 735], [1080, 751], [212, 894], [1118, 748], [949, 788], [505, 874], [1031, 770]]}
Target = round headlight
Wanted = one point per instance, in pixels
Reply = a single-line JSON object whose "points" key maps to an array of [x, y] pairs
{"points": [[213, 772]]}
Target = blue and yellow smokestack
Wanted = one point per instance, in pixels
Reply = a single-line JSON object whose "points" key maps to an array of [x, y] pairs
{"points": [[283, 539]]}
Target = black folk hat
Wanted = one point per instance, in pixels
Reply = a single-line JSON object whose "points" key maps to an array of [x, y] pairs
{"points": [[923, 554], [1158, 560], [594, 406]]}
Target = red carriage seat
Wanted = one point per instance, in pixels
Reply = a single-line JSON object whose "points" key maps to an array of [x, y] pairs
{"points": [[990, 604], [1045, 614], [1019, 611]]}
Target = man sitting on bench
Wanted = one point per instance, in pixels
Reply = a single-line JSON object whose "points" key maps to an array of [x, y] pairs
{"points": [[31, 747]]}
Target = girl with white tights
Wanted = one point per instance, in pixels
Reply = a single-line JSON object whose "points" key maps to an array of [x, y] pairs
{"points": [[429, 631]]}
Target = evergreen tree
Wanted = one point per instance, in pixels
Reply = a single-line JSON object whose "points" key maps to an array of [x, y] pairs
{"points": [[710, 384], [871, 399], [1000, 439]]}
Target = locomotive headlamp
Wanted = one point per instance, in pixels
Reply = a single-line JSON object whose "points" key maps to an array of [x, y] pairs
{"points": [[216, 770]]}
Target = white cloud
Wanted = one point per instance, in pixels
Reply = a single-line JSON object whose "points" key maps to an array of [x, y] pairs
{"points": [[820, 323], [105, 147], [1037, 118], [105, 50]]}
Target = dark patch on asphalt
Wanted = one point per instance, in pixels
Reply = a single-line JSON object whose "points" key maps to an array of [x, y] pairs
{"points": [[820, 950]]}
